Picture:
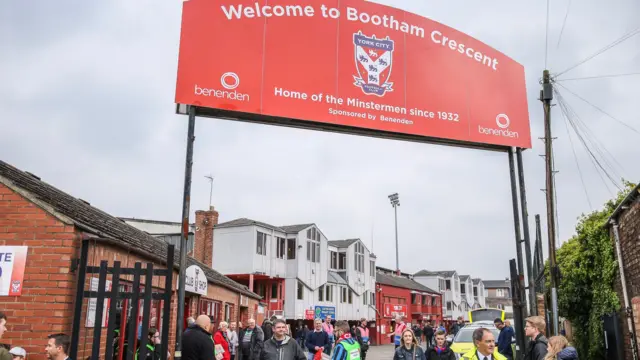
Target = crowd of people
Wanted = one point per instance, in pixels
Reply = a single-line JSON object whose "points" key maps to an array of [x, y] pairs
{"points": [[56, 346], [273, 341]]}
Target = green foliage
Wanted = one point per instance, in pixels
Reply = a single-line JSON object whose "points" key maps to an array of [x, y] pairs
{"points": [[588, 269]]}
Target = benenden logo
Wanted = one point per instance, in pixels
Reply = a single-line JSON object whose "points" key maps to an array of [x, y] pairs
{"points": [[503, 122], [230, 81]]}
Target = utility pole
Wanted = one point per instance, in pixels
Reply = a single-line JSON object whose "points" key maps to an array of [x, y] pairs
{"points": [[395, 202], [546, 95]]}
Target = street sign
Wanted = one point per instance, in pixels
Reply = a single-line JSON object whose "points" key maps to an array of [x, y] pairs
{"points": [[349, 66], [321, 312]]}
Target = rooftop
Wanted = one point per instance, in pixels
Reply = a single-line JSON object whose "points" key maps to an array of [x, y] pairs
{"points": [[291, 229], [156, 227], [342, 243], [445, 273], [247, 222], [495, 284], [402, 282], [105, 227]]}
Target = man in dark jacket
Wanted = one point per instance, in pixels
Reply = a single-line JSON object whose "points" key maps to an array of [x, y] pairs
{"points": [[457, 326], [250, 342], [267, 327], [504, 339], [537, 347], [197, 343], [281, 346], [317, 340], [428, 334]]}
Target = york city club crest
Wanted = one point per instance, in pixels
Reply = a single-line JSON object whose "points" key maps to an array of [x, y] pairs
{"points": [[374, 58]]}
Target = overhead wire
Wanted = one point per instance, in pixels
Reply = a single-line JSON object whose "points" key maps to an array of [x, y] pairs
{"points": [[566, 111], [564, 22], [575, 157], [600, 110], [597, 146], [599, 77], [613, 44], [590, 145]]}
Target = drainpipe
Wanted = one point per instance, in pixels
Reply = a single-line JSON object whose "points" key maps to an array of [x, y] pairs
{"points": [[625, 294]]}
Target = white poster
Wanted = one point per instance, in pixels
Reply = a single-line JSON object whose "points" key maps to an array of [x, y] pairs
{"points": [[12, 262], [93, 302]]}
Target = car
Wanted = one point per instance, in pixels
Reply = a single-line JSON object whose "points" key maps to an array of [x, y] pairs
{"points": [[462, 342]]}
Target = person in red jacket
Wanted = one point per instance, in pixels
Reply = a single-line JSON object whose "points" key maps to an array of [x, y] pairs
{"points": [[222, 341]]}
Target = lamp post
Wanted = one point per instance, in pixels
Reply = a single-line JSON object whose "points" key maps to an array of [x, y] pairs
{"points": [[395, 202]]}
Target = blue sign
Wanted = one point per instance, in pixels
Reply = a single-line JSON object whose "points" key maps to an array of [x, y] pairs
{"points": [[322, 312]]}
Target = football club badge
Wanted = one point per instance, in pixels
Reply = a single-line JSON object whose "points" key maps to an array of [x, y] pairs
{"points": [[374, 58]]}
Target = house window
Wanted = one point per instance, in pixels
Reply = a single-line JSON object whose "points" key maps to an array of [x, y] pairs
{"points": [[350, 297], [333, 260], [447, 284], [261, 244], [281, 244], [309, 234], [318, 235], [372, 268], [211, 308], [426, 299], [359, 257], [414, 299], [313, 251], [463, 288], [300, 291], [343, 295], [329, 293], [373, 299], [434, 301], [500, 292], [274, 290], [321, 293], [475, 291], [228, 309], [342, 261], [449, 306], [364, 298], [291, 249], [313, 233], [500, 307]]}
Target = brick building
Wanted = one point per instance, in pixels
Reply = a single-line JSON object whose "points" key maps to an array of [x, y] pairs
{"points": [[401, 295], [626, 220], [54, 225]]}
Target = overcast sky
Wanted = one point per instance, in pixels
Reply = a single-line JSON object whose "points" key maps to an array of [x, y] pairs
{"points": [[86, 103]]}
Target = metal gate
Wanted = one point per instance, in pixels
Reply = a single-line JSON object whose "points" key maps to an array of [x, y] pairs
{"points": [[125, 333], [613, 337]]}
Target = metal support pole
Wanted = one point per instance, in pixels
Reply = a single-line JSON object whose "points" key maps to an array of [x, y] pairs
{"points": [[395, 209], [184, 236], [623, 280], [518, 307], [516, 215], [525, 228]]}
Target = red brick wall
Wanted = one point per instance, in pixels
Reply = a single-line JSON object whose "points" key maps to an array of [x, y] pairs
{"points": [[46, 303], [203, 238], [629, 230]]}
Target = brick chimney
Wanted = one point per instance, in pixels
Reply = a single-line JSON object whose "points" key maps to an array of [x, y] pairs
{"points": [[203, 246]]}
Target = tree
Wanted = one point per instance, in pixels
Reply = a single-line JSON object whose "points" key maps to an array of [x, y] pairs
{"points": [[588, 269]]}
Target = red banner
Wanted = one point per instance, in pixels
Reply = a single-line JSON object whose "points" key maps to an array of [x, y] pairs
{"points": [[392, 310], [350, 63], [308, 314]]}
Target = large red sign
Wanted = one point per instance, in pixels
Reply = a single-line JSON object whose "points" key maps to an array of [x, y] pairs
{"points": [[350, 63], [392, 310]]}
